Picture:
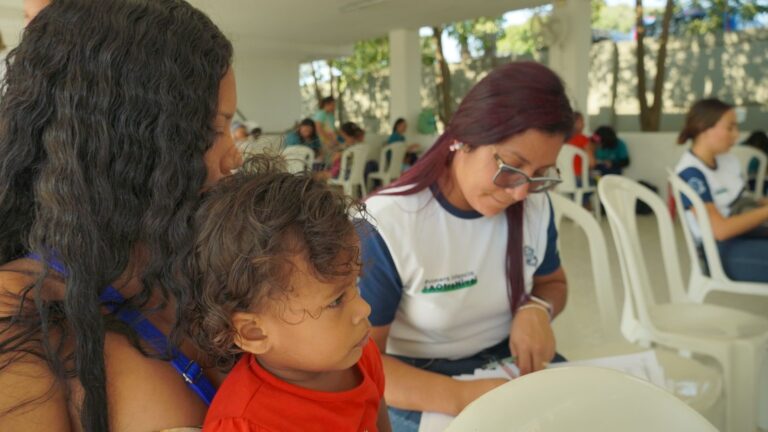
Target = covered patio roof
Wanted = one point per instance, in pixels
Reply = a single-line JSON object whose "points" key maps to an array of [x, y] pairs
{"points": [[318, 28]]}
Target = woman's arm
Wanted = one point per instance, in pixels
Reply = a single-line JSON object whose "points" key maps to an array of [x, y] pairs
{"points": [[725, 228], [531, 339], [415, 389]]}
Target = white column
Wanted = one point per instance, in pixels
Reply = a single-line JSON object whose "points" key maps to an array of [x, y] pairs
{"points": [[405, 76], [569, 55]]}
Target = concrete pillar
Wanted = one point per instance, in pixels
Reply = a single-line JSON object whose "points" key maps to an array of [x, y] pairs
{"points": [[405, 76], [569, 52]]}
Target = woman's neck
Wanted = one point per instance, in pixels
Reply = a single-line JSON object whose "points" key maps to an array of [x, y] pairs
{"points": [[450, 190], [703, 152]]}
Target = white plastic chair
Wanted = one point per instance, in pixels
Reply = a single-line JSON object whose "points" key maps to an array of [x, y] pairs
{"points": [[736, 340], [700, 283], [568, 154], [578, 399], [698, 385], [352, 172], [390, 164], [298, 158], [745, 155]]}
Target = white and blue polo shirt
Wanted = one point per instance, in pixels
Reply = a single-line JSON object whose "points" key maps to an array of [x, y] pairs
{"points": [[720, 185], [437, 274]]}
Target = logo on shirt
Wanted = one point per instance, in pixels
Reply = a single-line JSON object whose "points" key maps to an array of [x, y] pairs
{"points": [[450, 283], [697, 185], [530, 257]]}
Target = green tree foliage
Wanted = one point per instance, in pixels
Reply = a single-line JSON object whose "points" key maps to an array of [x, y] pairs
{"points": [[717, 11], [369, 58], [619, 18], [477, 37], [518, 39]]}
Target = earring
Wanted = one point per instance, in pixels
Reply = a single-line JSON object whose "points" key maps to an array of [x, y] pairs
{"points": [[456, 146]]}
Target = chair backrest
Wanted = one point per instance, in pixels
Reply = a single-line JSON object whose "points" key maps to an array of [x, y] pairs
{"points": [[374, 144], [598, 252], [579, 399], [391, 160], [746, 154], [298, 158], [702, 232], [353, 161], [566, 157], [620, 196]]}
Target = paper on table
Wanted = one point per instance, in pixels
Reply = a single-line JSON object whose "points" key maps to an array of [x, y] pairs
{"points": [[643, 365]]}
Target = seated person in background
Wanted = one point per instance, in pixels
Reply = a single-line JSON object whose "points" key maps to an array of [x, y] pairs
{"points": [[250, 143], [349, 134], [280, 308], [239, 133], [610, 155], [581, 141], [716, 176], [398, 135], [759, 140], [305, 134], [254, 130]]}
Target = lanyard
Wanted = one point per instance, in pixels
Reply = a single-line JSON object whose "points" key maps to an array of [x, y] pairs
{"points": [[187, 368]]}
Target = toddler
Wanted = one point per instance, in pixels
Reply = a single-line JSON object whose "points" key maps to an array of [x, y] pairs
{"points": [[275, 264]]}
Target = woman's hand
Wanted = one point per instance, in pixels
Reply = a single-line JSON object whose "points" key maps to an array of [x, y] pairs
{"points": [[531, 340]]}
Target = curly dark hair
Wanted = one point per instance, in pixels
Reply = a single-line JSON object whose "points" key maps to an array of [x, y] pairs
{"points": [[106, 112], [248, 228]]}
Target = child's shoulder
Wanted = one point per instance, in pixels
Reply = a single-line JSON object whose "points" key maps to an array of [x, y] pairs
{"points": [[370, 363], [235, 393]]}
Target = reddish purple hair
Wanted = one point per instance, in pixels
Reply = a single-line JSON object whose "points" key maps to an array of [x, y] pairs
{"points": [[510, 100]]}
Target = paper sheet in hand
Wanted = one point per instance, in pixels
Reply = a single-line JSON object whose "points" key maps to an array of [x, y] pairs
{"points": [[643, 365]]}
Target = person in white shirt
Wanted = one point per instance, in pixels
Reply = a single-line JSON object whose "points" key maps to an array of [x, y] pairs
{"points": [[716, 176], [460, 257]]}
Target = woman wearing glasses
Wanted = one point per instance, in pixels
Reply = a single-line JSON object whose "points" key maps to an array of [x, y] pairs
{"points": [[460, 258]]}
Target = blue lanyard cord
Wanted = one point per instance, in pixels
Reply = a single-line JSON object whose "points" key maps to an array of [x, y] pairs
{"points": [[188, 369]]}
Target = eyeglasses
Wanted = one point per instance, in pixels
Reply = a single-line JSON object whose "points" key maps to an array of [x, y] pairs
{"points": [[509, 177]]}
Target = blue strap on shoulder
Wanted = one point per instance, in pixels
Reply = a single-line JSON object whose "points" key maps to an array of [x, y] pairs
{"points": [[188, 369]]}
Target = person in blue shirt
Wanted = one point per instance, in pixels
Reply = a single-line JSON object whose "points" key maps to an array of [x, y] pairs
{"points": [[398, 131], [611, 154], [398, 135], [325, 123], [304, 134]]}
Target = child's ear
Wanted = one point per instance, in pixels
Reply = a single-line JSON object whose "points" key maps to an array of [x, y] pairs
{"points": [[250, 334]]}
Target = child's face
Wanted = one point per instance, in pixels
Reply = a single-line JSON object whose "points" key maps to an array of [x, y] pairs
{"points": [[322, 326]]}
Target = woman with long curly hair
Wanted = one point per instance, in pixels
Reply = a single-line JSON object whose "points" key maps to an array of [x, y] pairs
{"points": [[114, 117]]}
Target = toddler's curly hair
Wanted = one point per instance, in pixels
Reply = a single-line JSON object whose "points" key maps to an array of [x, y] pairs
{"points": [[247, 230]]}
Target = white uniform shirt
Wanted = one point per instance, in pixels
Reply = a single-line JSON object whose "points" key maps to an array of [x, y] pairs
{"points": [[438, 274], [720, 185]]}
